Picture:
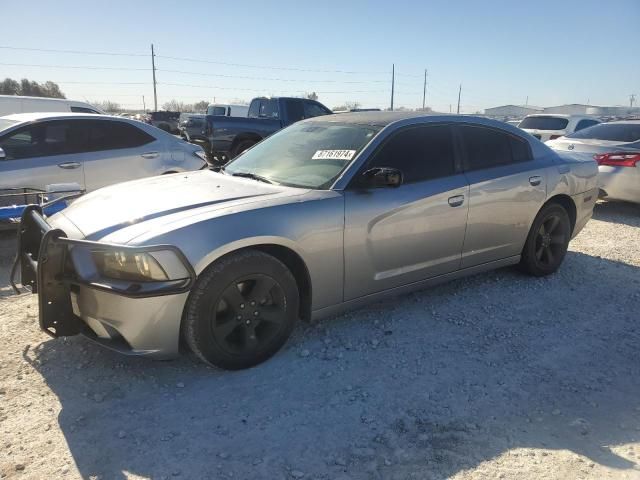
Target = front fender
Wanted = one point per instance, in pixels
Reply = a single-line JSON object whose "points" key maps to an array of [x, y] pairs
{"points": [[312, 229]]}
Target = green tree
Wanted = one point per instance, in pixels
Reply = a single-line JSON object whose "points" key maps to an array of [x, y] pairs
{"points": [[52, 90], [30, 88], [9, 87], [200, 107]]}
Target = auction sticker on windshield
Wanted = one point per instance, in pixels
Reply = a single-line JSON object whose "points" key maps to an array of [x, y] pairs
{"points": [[333, 155]]}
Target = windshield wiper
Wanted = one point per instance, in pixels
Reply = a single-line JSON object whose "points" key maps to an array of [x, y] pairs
{"points": [[253, 176]]}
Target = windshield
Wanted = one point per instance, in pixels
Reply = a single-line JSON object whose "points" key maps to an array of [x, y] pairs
{"points": [[308, 155], [4, 123], [616, 132], [544, 123]]}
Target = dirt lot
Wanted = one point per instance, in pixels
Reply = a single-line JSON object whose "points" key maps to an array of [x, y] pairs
{"points": [[495, 376]]}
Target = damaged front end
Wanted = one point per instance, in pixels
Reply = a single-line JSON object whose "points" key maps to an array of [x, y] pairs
{"points": [[58, 269]]}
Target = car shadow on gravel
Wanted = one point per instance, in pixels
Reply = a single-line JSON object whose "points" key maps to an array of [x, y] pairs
{"points": [[424, 386], [618, 212]]}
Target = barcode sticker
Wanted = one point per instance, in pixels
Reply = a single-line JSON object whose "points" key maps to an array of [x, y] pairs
{"points": [[333, 155]]}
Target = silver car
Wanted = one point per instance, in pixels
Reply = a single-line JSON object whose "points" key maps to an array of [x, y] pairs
{"points": [[616, 148], [325, 215], [40, 149]]}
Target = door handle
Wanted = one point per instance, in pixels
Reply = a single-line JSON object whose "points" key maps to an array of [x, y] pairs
{"points": [[69, 165], [456, 201], [150, 155], [535, 180]]}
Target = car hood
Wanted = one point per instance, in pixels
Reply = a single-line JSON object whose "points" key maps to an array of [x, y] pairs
{"points": [[100, 213]]}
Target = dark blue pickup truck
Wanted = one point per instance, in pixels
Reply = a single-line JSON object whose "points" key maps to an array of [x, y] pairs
{"points": [[230, 136]]}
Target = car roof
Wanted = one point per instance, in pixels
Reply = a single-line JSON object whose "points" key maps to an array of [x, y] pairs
{"points": [[379, 119], [560, 115], [34, 116], [623, 122]]}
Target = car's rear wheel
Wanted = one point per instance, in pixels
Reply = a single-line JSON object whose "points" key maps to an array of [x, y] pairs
{"points": [[548, 240], [241, 310], [241, 147]]}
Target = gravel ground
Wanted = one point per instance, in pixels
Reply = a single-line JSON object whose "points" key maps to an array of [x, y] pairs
{"points": [[495, 376]]}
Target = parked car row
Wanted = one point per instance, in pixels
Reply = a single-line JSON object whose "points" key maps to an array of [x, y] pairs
{"points": [[616, 148], [615, 145]]}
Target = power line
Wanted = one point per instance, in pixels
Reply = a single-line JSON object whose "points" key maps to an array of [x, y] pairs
{"points": [[74, 66], [64, 82], [221, 75], [82, 52], [261, 89], [269, 67]]}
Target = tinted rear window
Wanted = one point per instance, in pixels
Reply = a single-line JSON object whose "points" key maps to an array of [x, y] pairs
{"points": [[615, 132], [112, 135], [82, 110], [544, 123], [487, 147]]}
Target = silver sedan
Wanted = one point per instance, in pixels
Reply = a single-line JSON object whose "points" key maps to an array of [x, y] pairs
{"points": [[323, 216], [616, 148], [91, 151]]}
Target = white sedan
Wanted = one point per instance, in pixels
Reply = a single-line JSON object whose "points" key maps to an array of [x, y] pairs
{"points": [[551, 126], [93, 151]]}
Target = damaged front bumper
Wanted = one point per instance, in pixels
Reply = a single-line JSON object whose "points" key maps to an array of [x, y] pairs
{"points": [[133, 317]]}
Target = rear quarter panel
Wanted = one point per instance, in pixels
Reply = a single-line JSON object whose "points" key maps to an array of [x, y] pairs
{"points": [[575, 175]]}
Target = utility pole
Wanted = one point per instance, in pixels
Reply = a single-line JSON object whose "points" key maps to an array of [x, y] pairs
{"points": [[393, 81], [449, 108], [459, 94], [424, 90], [153, 67], [144, 105], [526, 103], [632, 99]]}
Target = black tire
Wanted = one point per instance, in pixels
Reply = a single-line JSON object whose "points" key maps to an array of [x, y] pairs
{"points": [[241, 147], [547, 242], [164, 127], [241, 310]]}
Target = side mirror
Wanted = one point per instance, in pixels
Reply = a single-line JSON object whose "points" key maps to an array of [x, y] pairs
{"points": [[2, 154], [382, 177]]}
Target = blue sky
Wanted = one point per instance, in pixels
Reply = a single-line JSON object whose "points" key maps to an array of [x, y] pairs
{"points": [[501, 51]]}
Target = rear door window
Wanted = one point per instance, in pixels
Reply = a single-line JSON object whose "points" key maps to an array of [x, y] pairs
{"points": [[582, 124], [487, 147], [83, 110], [295, 110], [544, 123], [113, 135], [420, 153], [312, 109]]}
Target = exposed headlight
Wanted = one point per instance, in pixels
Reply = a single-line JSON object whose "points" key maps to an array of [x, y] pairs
{"points": [[135, 267], [201, 154]]}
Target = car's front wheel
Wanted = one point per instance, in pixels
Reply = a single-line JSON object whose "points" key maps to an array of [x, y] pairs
{"points": [[547, 242], [241, 310]]}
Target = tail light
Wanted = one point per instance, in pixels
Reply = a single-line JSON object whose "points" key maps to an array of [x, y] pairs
{"points": [[553, 137], [618, 159]]}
